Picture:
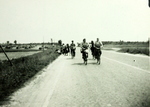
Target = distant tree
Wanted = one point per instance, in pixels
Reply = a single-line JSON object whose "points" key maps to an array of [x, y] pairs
{"points": [[121, 42], [60, 42], [7, 42], [15, 42]]}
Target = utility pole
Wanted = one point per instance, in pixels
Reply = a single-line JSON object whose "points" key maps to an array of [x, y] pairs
{"points": [[51, 41], [43, 43], [6, 55]]}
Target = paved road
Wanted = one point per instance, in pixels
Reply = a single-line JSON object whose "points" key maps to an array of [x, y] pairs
{"points": [[122, 80]]}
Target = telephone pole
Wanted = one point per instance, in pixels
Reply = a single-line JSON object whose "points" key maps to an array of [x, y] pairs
{"points": [[6, 55]]}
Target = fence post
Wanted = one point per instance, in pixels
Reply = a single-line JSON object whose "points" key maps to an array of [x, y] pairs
{"points": [[6, 55]]}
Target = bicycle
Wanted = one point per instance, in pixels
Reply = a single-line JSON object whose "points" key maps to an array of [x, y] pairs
{"points": [[85, 55]]}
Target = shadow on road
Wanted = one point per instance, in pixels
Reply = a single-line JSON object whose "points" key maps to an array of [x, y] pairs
{"points": [[91, 63], [69, 58], [92, 59], [78, 64]]}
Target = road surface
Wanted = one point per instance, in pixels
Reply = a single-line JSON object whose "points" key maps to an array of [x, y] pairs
{"points": [[122, 80]]}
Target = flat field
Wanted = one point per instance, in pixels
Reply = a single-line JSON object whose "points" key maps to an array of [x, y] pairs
{"points": [[14, 55], [137, 48]]}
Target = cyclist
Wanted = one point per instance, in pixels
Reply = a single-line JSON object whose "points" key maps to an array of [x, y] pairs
{"points": [[98, 52], [84, 50], [72, 48]]}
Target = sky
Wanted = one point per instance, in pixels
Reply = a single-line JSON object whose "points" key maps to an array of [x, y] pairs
{"points": [[30, 21]]}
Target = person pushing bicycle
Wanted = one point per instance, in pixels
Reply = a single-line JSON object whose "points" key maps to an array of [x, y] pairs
{"points": [[84, 50]]}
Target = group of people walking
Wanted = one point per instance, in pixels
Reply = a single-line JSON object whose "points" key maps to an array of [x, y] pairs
{"points": [[95, 48], [66, 49]]}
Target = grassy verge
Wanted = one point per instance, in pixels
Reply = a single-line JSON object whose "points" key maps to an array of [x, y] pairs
{"points": [[13, 77], [19, 50], [134, 50]]}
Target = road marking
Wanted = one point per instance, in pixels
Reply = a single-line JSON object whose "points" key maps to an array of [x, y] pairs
{"points": [[127, 65]]}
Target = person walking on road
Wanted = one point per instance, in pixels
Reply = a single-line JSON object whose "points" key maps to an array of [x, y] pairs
{"points": [[92, 48], [84, 50], [67, 49], [72, 48], [98, 52]]}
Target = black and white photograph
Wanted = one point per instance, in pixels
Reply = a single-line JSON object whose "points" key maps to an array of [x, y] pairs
{"points": [[74, 53]]}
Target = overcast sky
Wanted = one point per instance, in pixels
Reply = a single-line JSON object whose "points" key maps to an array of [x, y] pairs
{"points": [[110, 20]]}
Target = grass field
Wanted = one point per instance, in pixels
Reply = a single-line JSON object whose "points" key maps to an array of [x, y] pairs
{"points": [[13, 77], [19, 50], [14, 55], [134, 48]]}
